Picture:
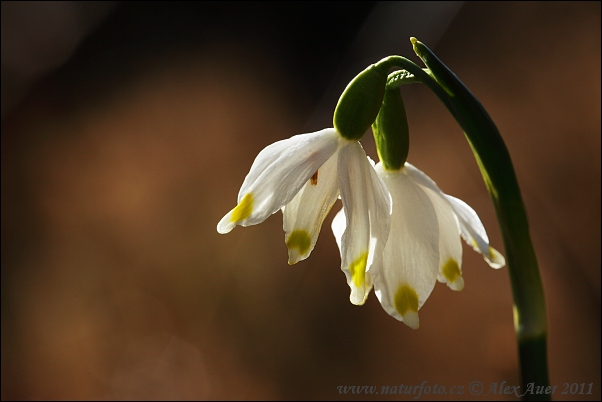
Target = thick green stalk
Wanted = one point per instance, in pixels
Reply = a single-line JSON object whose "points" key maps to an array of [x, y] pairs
{"points": [[530, 318]]}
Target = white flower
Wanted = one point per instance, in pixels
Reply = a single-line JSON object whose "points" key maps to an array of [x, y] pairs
{"points": [[423, 244], [303, 176]]}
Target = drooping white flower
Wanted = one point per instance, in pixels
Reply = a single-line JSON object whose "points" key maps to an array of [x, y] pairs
{"points": [[303, 176], [367, 205], [423, 244]]}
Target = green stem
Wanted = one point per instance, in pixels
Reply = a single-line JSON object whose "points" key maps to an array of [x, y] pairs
{"points": [[493, 159], [530, 318]]}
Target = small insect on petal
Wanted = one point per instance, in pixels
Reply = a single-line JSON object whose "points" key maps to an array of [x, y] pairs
{"points": [[314, 179]]}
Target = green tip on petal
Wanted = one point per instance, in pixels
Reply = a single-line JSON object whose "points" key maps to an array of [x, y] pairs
{"points": [[406, 304], [453, 275], [358, 269], [495, 259], [241, 212], [298, 244], [244, 209]]}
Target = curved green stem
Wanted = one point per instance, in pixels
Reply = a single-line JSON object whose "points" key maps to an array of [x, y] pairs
{"points": [[530, 318], [493, 159]]}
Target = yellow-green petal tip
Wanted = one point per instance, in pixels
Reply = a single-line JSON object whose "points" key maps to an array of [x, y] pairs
{"points": [[244, 209]]}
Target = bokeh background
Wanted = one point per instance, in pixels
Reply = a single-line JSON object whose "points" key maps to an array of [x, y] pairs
{"points": [[127, 129]]}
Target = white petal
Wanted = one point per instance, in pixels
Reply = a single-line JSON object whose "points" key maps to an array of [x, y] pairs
{"points": [[277, 175], [474, 233], [367, 206], [496, 259], [420, 177], [407, 272], [303, 216], [450, 246], [381, 206], [471, 228], [339, 223]]}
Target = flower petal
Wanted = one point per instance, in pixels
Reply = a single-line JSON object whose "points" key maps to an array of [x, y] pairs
{"points": [[474, 232], [471, 228], [407, 272], [367, 206], [277, 175], [339, 223], [450, 246], [303, 216], [381, 206]]}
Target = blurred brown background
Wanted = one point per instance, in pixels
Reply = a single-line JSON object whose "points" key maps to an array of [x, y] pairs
{"points": [[127, 130]]}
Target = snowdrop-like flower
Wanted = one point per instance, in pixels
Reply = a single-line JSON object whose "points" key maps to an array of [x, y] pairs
{"points": [[423, 244], [303, 176]]}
